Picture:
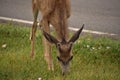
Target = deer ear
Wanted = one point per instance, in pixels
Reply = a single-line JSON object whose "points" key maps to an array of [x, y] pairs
{"points": [[76, 35], [50, 38]]}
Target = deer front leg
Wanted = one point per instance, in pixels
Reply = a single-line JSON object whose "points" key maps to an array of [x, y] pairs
{"points": [[34, 27], [32, 38], [46, 44]]}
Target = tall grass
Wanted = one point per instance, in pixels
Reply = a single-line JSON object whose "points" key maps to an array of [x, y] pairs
{"points": [[94, 58]]}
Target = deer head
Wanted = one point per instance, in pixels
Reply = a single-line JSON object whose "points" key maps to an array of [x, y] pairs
{"points": [[64, 48]]}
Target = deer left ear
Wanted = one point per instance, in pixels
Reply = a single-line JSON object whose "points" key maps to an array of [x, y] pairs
{"points": [[50, 38], [76, 35]]}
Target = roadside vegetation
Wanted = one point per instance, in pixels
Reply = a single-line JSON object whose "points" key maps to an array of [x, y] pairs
{"points": [[94, 58]]}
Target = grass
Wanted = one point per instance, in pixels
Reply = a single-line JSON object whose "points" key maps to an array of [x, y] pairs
{"points": [[94, 58]]}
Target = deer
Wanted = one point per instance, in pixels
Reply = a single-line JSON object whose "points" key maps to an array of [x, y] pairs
{"points": [[56, 13]]}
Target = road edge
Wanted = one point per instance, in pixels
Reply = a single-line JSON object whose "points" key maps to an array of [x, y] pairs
{"points": [[20, 21]]}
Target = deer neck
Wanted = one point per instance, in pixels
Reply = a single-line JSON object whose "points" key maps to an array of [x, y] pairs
{"points": [[62, 21]]}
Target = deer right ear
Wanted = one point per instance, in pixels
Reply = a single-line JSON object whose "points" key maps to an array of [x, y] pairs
{"points": [[50, 38], [76, 35]]}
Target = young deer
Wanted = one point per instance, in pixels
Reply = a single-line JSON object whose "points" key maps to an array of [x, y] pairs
{"points": [[56, 13]]}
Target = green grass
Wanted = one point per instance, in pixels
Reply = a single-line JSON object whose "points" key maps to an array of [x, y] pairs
{"points": [[94, 58]]}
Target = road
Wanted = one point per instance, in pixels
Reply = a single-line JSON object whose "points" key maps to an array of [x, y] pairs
{"points": [[97, 15]]}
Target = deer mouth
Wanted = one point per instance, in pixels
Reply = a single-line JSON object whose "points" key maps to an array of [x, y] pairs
{"points": [[64, 64]]}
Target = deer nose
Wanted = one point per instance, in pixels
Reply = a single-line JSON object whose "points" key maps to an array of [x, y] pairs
{"points": [[63, 73], [63, 62]]}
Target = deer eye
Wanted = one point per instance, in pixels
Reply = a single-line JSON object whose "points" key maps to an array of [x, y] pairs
{"points": [[71, 43], [70, 58], [59, 59], [58, 44]]}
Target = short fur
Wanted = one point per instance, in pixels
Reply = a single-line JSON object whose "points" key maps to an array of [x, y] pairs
{"points": [[55, 12]]}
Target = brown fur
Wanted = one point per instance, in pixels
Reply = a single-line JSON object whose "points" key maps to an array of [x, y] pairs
{"points": [[55, 12]]}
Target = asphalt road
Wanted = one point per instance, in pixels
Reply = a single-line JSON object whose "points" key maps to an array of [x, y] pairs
{"points": [[97, 15]]}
